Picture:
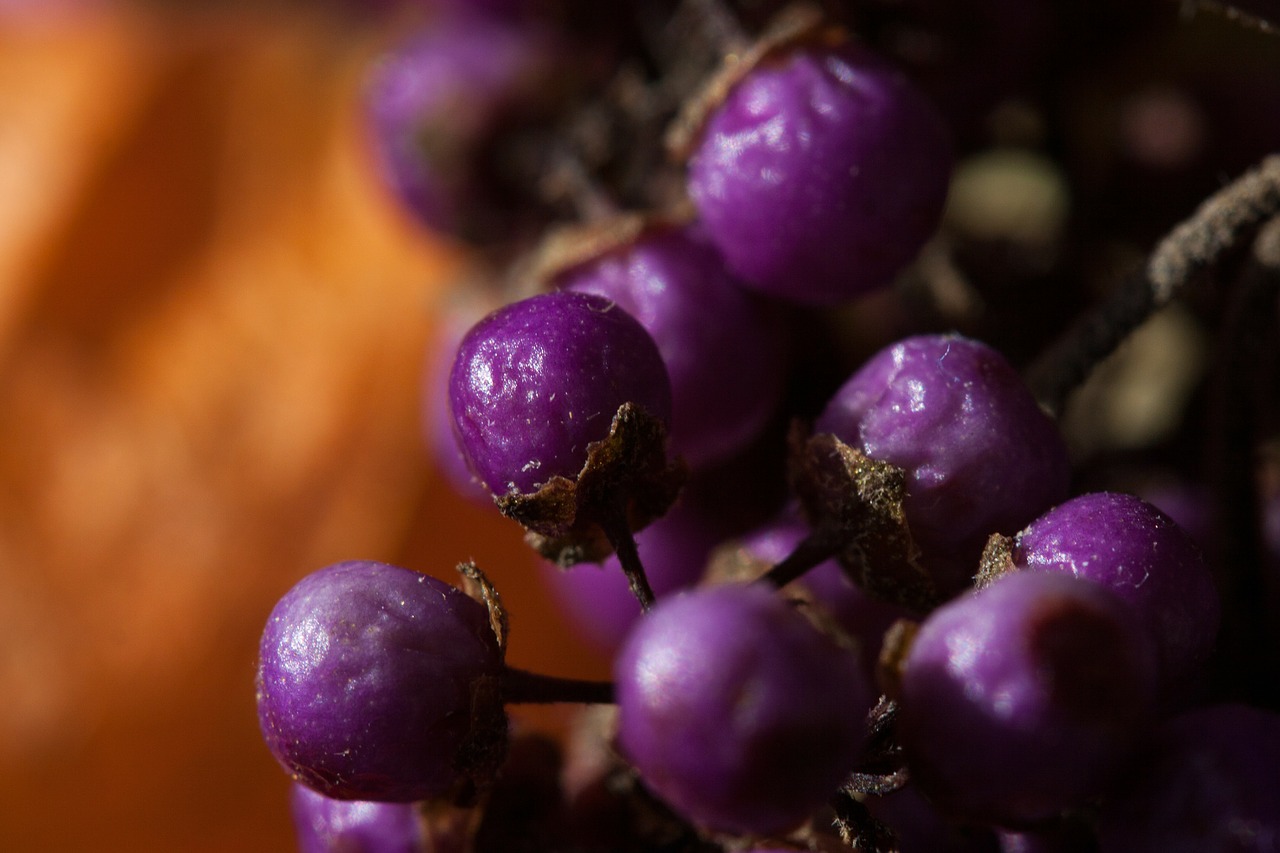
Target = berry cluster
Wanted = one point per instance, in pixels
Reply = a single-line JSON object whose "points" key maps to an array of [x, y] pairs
{"points": [[864, 589]]}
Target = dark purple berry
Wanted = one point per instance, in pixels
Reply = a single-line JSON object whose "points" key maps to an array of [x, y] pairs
{"points": [[1023, 699], [822, 173], [537, 381], [325, 825], [1208, 783], [1141, 555], [979, 455], [736, 711], [725, 354], [434, 98], [378, 683]]}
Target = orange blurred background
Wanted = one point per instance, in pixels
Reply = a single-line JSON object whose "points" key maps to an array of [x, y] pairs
{"points": [[212, 327]]}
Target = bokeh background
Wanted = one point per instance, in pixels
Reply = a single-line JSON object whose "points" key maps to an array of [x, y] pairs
{"points": [[212, 329]]}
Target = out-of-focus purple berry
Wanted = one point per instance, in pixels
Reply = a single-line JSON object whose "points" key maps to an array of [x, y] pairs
{"points": [[430, 101], [326, 825], [822, 174], [597, 598], [979, 454], [920, 828], [378, 683], [1022, 700], [725, 354], [864, 618], [736, 711], [1208, 783], [1141, 555], [536, 381]]}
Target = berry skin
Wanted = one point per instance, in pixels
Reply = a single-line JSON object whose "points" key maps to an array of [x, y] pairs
{"points": [[736, 711], [725, 354], [378, 683], [980, 457], [1141, 555], [326, 825], [1206, 784], [1022, 700], [822, 174], [434, 97], [538, 380]]}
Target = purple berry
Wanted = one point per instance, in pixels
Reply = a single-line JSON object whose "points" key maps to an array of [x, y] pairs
{"points": [[822, 174], [378, 683], [725, 354], [865, 618], [1141, 555], [736, 711], [537, 381], [1207, 784], [325, 825], [979, 454], [597, 598], [1021, 700], [430, 101]]}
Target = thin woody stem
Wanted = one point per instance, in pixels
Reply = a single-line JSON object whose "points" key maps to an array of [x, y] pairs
{"points": [[1228, 219], [522, 687], [619, 534], [814, 549]]}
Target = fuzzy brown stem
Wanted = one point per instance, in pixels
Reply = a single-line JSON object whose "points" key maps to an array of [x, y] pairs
{"points": [[1228, 219]]}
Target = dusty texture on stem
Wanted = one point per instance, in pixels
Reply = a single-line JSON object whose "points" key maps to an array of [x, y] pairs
{"points": [[1224, 221]]}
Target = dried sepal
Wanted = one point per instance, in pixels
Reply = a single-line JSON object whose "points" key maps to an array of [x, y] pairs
{"points": [[858, 501], [997, 561], [628, 472]]}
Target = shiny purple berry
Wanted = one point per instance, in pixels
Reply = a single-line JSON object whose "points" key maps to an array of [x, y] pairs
{"points": [[1141, 555], [822, 173], [725, 353], [1023, 699], [379, 683], [736, 711], [980, 456], [326, 825], [538, 380]]}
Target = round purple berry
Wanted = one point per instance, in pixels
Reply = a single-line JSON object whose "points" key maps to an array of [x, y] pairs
{"points": [[736, 711], [822, 173], [1206, 784], [431, 99], [1141, 555], [538, 380], [725, 354], [1022, 700], [326, 825], [378, 683], [979, 454]]}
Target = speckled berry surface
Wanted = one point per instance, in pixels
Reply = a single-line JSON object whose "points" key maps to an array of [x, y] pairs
{"points": [[980, 457], [1141, 555], [1023, 699], [736, 711], [326, 825], [373, 680], [822, 174], [726, 353], [538, 380]]}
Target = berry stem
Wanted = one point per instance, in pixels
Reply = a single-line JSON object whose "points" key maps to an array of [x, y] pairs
{"points": [[522, 687], [618, 531], [1247, 330], [817, 547], [1221, 223]]}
